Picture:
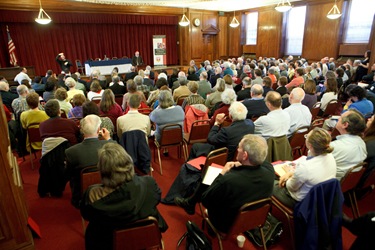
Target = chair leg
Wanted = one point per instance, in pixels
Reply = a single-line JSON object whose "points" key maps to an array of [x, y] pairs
{"points": [[83, 225], [352, 205], [220, 243], [291, 231], [263, 240], [161, 169], [356, 204], [31, 160]]}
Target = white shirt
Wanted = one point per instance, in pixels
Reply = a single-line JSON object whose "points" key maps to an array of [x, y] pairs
{"points": [[348, 150], [300, 116], [91, 94], [21, 76], [309, 173], [275, 123], [327, 97]]}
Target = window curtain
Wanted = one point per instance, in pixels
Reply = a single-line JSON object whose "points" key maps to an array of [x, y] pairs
{"points": [[83, 36]]}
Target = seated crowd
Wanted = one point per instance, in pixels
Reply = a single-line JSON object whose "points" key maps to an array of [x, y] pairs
{"points": [[248, 103]]}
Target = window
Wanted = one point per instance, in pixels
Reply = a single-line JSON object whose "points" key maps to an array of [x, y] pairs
{"points": [[294, 31], [360, 18], [251, 28]]}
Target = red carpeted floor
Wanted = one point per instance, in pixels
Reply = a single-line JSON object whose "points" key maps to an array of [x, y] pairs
{"points": [[61, 226]]}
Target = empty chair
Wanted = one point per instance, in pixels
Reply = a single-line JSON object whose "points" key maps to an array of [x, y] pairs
{"points": [[297, 141], [33, 135], [181, 100], [139, 235], [250, 215], [171, 136], [198, 133], [315, 110], [333, 108], [349, 182], [80, 67]]}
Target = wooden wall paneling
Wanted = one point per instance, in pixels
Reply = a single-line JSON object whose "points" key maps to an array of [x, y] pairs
{"points": [[321, 36], [269, 33], [184, 44], [222, 37], [209, 41], [372, 44], [13, 212], [234, 37], [196, 38]]}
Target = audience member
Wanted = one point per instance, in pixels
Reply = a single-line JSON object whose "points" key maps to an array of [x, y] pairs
{"points": [[331, 93], [123, 197], [56, 126], [281, 89], [192, 76], [204, 86], [37, 85], [235, 185], [213, 79], [300, 115], [132, 89], [166, 113], [255, 105], [116, 87], [108, 106], [95, 90], [49, 91], [22, 76], [154, 95], [71, 84], [215, 97], [276, 122], [61, 96], [194, 97], [91, 108], [310, 96], [183, 89], [246, 87], [227, 98], [84, 154], [267, 82], [298, 80], [141, 87], [310, 171], [76, 112], [226, 136], [349, 148], [258, 77], [6, 95], [33, 116], [134, 120]]}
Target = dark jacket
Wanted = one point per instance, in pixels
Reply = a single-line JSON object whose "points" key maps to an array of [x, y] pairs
{"points": [[132, 201], [318, 217], [229, 192]]}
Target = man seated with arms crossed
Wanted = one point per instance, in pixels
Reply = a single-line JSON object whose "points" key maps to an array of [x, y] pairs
{"points": [[84, 154], [349, 148], [248, 179]]}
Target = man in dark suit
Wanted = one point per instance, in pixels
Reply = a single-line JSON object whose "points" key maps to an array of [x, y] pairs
{"points": [[217, 75], [131, 74], [116, 88], [64, 63], [245, 92], [137, 59], [249, 178], [84, 154], [256, 105], [228, 136], [147, 81]]}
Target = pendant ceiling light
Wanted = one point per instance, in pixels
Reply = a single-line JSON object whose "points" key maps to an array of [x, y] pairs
{"points": [[283, 6], [235, 23], [43, 17], [184, 20], [334, 13]]}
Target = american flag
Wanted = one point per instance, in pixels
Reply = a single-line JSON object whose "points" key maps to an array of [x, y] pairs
{"points": [[12, 50]]}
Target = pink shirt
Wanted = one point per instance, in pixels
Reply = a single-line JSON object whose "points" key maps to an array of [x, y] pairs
{"points": [[295, 82]]}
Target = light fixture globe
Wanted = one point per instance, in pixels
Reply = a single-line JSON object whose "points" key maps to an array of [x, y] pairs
{"points": [[334, 13], [283, 6], [184, 21], [43, 17], [235, 23]]}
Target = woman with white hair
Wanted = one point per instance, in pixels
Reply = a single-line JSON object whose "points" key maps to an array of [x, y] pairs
{"points": [[71, 84], [122, 197], [227, 98]]}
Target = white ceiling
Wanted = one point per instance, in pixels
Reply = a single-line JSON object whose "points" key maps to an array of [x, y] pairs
{"points": [[214, 5]]}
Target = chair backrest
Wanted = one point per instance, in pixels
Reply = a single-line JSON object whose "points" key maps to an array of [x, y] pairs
{"points": [[251, 215], [96, 99], [333, 108], [217, 156], [181, 99], [318, 123], [63, 114], [78, 63], [76, 120], [315, 110], [297, 140], [145, 111], [89, 176], [114, 58], [352, 177], [142, 234], [171, 134], [34, 133], [370, 180], [199, 131], [118, 99]]}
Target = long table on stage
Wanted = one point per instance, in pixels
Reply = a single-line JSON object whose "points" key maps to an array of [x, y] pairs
{"points": [[106, 67]]}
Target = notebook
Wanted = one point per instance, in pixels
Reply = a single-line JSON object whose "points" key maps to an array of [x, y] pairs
{"points": [[212, 172]]}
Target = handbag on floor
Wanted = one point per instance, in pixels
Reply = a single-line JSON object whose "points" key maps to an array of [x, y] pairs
{"points": [[195, 238], [272, 230]]}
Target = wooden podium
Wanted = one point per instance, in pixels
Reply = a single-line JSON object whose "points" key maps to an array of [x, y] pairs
{"points": [[14, 232]]}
